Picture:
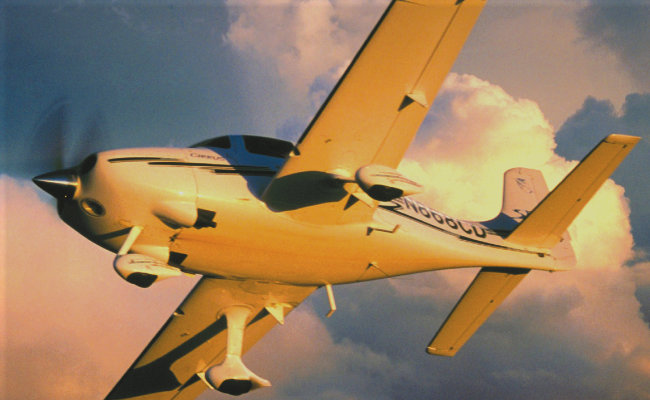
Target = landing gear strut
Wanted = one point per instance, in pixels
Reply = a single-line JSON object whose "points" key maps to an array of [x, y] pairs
{"points": [[232, 376]]}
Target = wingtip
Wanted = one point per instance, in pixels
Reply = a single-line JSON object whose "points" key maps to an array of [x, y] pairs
{"points": [[617, 138], [434, 351]]}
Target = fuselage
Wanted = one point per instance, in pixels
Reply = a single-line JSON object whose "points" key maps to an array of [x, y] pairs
{"points": [[237, 236]]}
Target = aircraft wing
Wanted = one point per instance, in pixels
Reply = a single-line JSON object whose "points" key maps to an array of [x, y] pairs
{"points": [[374, 111], [194, 337], [486, 292]]}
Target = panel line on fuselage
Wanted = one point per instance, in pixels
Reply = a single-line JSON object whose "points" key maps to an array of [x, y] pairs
{"points": [[139, 159], [216, 168]]}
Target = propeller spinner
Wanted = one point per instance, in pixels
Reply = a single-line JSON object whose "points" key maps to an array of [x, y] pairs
{"points": [[61, 184]]}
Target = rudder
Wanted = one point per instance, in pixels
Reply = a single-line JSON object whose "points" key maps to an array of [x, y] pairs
{"points": [[523, 189]]}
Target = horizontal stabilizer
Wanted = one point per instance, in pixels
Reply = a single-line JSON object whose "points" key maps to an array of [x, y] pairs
{"points": [[546, 224], [490, 287]]}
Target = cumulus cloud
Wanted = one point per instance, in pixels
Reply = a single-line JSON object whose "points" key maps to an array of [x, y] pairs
{"points": [[483, 129], [622, 27], [309, 43], [476, 132], [310, 358], [598, 118], [3, 288]]}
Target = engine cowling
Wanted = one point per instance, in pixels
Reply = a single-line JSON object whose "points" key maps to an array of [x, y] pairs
{"points": [[384, 183], [142, 270]]}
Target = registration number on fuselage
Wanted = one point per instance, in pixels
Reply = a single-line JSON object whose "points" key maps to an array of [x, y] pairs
{"points": [[417, 211]]}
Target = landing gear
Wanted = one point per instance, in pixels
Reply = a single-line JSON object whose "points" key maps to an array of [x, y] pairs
{"points": [[140, 269], [232, 376]]}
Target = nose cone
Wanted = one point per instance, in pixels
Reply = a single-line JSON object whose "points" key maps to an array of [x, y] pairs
{"points": [[60, 184]]}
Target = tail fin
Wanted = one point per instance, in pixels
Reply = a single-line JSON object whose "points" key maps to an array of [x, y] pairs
{"points": [[523, 190], [545, 226]]}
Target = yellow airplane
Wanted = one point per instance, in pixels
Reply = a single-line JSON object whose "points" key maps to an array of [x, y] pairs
{"points": [[266, 222]]}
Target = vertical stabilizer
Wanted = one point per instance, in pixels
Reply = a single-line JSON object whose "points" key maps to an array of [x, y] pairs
{"points": [[523, 189]]}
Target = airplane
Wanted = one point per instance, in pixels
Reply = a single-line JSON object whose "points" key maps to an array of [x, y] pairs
{"points": [[266, 222]]}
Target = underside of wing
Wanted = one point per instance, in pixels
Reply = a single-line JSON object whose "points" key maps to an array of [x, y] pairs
{"points": [[486, 292], [195, 337], [374, 111]]}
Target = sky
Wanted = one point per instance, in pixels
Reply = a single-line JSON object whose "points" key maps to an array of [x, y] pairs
{"points": [[537, 85]]}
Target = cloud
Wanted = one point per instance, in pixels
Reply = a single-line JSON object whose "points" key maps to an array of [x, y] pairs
{"points": [[598, 118], [309, 43], [623, 28], [3, 288], [311, 358], [476, 132]]}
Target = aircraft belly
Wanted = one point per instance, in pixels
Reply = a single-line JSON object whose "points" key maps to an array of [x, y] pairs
{"points": [[260, 244], [276, 256]]}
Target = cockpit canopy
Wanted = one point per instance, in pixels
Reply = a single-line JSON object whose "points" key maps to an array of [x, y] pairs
{"points": [[260, 145]]}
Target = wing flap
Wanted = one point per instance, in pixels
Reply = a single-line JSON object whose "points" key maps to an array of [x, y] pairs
{"points": [[546, 224], [194, 337], [486, 292], [373, 113]]}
